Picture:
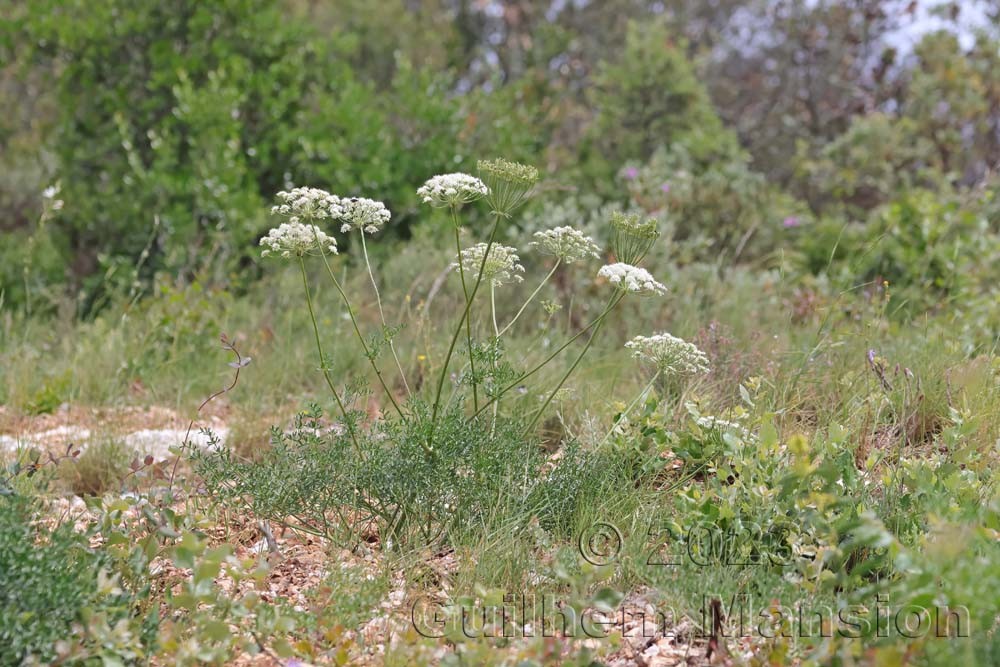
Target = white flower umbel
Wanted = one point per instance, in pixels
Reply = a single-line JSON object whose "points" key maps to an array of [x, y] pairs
{"points": [[501, 266], [304, 204], [631, 279], [452, 190], [293, 239], [671, 355], [367, 215], [568, 244]]}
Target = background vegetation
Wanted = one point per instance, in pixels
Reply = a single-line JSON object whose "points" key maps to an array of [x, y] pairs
{"points": [[825, 176]]}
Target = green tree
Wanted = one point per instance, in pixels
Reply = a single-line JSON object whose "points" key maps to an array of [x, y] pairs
{"points": [[648, 97], [173, 117], [953, 99]]}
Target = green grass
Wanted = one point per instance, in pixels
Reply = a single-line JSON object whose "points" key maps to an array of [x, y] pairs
{"points": [[877, 465]]}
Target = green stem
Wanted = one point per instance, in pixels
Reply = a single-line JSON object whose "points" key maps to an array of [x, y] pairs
{"points": [[631, 405], [458, 329], [381, 314], [348, 422], [618, 295], [357, 330], [493, 309], [496, 332], [530, 298], [468, 321], [534, 420]]}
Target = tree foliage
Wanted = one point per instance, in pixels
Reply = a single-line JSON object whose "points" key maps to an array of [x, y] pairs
{"points": [[169, 125]]}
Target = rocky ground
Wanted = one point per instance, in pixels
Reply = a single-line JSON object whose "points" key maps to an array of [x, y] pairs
{"points": [[300, 563], [147, 430]]}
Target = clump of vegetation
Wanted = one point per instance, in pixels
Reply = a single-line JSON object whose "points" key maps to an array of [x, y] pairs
{"points": [[440, 462], [99, 468], [729, 361], [60, 600]]}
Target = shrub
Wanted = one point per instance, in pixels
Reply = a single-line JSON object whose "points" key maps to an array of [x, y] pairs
{"points": [[58, 597], [930, 249], [875, 159], [175, 121], [166, 113], [721, 209]]}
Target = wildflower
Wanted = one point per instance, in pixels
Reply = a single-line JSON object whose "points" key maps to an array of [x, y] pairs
{"points": [[632, 237], [670, 355], [791, 222], [501, 266], [631, 173], [452, 190], [631, 279], [508, 183], [566, 243], [50, 193], [301, 204], [665, 188], [367, 215], [295, 239], [713, 423]]}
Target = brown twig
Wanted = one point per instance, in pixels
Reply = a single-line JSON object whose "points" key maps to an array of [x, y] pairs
{"points": [[240, 363], [72, 452]]}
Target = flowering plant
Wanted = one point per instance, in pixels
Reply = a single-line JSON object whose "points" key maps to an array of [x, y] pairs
{"points": [[499, 268], [566, 244], [504, 186], [669, 354], [295, 239], [633, 279], [367, 215], [672, 357], [452, 190]]}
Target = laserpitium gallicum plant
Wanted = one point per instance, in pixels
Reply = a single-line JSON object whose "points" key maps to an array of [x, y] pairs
{"points": [[453, 431], [504, 186]]}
